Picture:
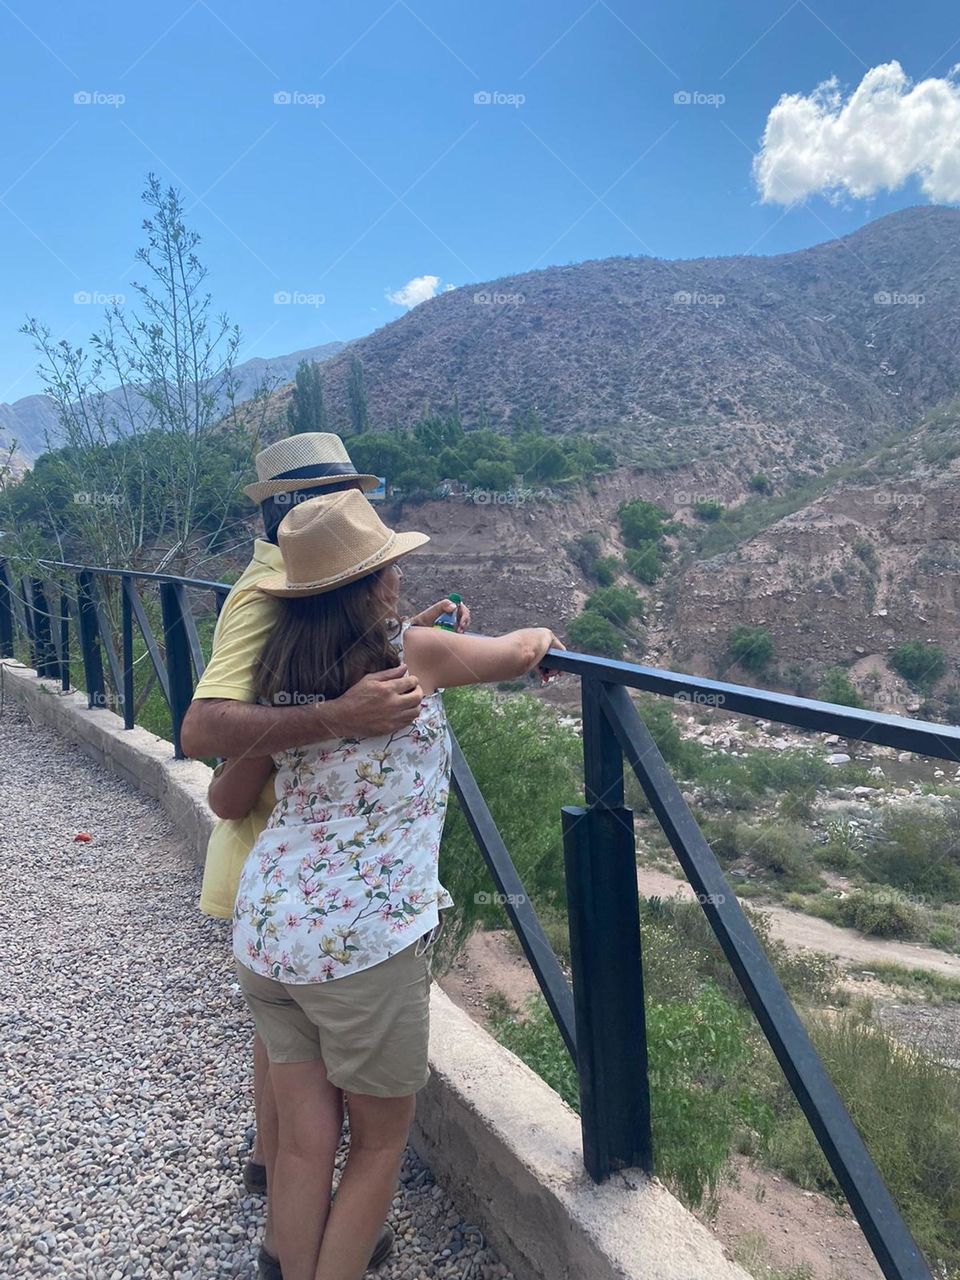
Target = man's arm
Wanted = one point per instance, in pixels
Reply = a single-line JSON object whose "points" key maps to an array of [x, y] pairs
{"points": [[382, 702], [236, 785]]}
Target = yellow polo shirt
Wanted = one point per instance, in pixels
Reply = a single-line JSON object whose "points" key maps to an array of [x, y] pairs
{"points": [[245, 622]]}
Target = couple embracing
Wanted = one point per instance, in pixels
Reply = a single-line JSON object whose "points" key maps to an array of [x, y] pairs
{"points": [[326, 706]]}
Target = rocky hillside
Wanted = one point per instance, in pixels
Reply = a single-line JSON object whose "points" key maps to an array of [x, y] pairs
{"points": [[872, 562], [802, 357]]}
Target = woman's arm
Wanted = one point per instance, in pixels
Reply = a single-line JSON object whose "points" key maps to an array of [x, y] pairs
{"points": [[237, 784], [442, 659]]}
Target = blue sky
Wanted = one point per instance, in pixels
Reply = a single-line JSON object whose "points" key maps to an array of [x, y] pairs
{"points": [[399, 173]]}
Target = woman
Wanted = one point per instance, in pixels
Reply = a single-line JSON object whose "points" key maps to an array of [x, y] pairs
{"points": [[339, 900]]}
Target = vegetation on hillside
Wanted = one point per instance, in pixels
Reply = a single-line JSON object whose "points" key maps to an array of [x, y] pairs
{"points": [[439, 448]]}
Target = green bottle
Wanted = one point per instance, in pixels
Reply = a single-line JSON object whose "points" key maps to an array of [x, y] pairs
{"points": [[448, 621]]}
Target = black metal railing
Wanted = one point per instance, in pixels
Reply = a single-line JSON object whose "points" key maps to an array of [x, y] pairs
{"points": [[601, 1020]]}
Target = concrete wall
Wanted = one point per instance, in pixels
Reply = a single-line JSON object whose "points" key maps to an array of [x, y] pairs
{"points": [[499, 1139]]}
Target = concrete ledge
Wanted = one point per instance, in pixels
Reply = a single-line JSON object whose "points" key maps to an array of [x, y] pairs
{"points": [[499, 1139]]}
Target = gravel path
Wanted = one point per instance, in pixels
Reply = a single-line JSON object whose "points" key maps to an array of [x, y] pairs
{"points": [[125, 1050]]}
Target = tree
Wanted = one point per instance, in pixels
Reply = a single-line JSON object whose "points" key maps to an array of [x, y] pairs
{"points": [[306, 410], [836, 686], [595, 634], [130, 482], [641, 522], [644, 562], [921, 665], [357, 396], [751, 648], [619, 605]]}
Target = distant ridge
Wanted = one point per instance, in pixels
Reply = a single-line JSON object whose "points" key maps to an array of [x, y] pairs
{"points": [[33, 419], [809, 355]]}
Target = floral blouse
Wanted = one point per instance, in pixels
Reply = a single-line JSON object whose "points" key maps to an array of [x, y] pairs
{"points": [[344, 875]]}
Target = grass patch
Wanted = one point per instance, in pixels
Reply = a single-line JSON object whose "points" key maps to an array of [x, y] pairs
{"points": [[933, 988], [906, 1106], [527, 767]]}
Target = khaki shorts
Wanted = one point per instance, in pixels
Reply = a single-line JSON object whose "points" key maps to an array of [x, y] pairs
{"points": [[370, 1029]]}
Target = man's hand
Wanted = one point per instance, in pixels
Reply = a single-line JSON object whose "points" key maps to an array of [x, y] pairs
{"points": [[381, 702], [429, 616]]}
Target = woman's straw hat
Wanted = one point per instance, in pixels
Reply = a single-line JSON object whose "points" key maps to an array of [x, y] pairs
{"points": [[310, 460], [331, 540]]}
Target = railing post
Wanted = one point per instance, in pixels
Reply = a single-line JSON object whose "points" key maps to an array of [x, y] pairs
{"points": [[64, 642], [6, 614], [89, 648], [177, 659], [127, 658], [46, 658], [604, 921]]}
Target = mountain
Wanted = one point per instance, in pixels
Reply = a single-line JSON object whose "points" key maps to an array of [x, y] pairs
{"points": [[870, 562], [803, 357], [32, 421]]}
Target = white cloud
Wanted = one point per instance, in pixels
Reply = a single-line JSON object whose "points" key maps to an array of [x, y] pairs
{"points": [[886, 131], [419, 289]]}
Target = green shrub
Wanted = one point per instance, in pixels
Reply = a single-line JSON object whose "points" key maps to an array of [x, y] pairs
{"points": [[619, 605], [607, 569], [527, 767], [593, 633], [906, 1106], [644, 563], [751, 648], [917, 850], [710, 511], [836, 686], [944, 936], [921, 665], [882, 913], [760, 484], [641, 522], [584, 551], [843, 849], [698, 1051], [780, 847], [533, 1036]]}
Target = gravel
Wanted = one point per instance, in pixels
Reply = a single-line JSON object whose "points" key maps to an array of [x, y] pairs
{"points": [[125, 1050]]}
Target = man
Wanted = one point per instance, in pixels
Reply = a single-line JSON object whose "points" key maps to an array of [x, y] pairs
{"points": [[224, 719]]}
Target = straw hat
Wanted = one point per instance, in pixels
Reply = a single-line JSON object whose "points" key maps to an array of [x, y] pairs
{"points": [[329, 541], [306, 461]]}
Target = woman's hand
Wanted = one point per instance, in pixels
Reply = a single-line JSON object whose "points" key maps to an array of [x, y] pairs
{"points": [[429, 616], [550, 673]]}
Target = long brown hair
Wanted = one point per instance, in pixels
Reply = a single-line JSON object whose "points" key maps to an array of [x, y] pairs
{"points": [[321, 645]]}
